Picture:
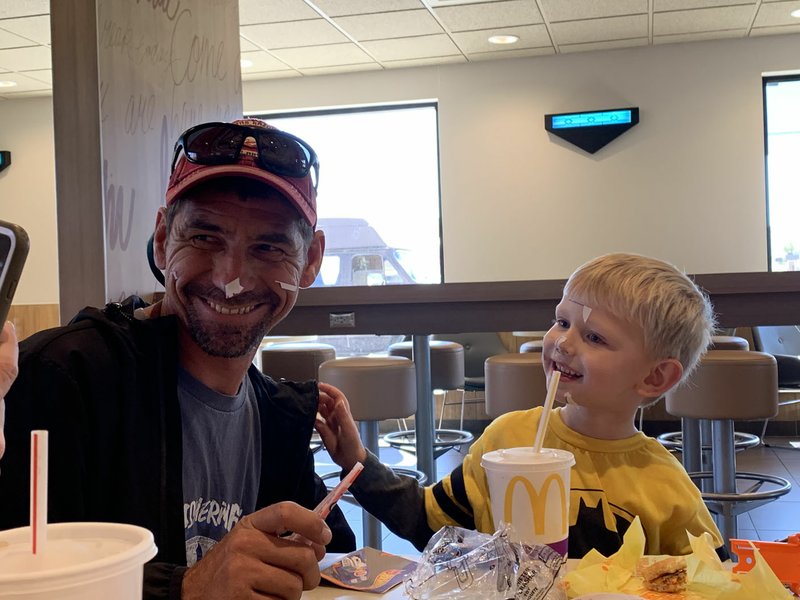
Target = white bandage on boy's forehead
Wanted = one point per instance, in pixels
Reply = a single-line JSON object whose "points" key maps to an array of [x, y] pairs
{"points": [[289, 287], [232, 288], [586, 312]]}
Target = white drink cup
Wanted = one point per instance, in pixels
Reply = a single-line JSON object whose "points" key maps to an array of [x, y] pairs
{"points": [[530, 490], [82, 561]]}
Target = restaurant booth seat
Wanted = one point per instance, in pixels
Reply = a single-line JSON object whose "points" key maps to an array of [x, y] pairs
{"points": [[674, 440], [730, 385], [296, 361], [377, 388], [514, 381], [447, 373]]}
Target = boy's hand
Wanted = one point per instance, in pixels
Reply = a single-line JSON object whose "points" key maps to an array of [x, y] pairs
{"points": [[338, 429]]}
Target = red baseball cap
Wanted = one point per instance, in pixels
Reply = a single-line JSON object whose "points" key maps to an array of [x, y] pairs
{"points": [[300, 191]]}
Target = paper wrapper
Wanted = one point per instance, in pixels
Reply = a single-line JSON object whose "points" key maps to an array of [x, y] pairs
{"points": [[708, 578]]}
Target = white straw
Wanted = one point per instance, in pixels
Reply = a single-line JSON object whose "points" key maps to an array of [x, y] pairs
{"points": [[38, 491], [546, 409]]}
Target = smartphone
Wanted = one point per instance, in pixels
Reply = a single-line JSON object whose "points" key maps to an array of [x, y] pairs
{"points": [[14, 246]]}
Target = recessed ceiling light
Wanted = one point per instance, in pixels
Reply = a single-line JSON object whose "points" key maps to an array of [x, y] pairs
{"points": [[503, 39], [246, 63], [7, 84], [795, 13]]}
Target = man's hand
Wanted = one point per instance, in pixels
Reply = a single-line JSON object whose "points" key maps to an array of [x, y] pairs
{"points": [[9, 353], [338, 429], [254, 561]]}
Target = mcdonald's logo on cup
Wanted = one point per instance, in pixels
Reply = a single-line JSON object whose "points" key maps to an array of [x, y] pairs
{"points": [[530, 491]]}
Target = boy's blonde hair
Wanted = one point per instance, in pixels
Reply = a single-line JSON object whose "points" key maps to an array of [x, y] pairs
{"points": [[676, 317]]}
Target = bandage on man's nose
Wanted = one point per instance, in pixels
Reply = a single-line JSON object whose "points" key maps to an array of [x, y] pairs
{"points": [[233, 287]]}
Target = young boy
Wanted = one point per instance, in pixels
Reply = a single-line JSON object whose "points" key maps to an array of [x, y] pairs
{"points": [[628, 328]]}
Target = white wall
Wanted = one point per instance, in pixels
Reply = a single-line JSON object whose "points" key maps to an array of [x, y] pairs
{"points": [[686, 184], [27, 192]]}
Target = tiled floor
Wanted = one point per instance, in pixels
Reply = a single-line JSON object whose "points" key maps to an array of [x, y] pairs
{"points": [[773, 521]]}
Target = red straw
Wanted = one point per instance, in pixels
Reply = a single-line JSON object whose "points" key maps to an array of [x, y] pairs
{"points": [[38, 491]]}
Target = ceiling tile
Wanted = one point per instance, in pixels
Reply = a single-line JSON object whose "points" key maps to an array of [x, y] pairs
{"points": [[246, 45], [411, 48], [611, 45], [274, 11], [600, 30], [405, 23], [779, 30], [521, 53], [10, 40], [292, 35], [44, 75], [489, 15], [36, 29], [23, 8], [664, 5], [270, 75], [422, 62], [24, 84], [577, 10], [25, 59], [530, 36], [340, 8], [342, 69], [773, 13], [703, 19], [262, 61], [698, 37], [323, 56]]}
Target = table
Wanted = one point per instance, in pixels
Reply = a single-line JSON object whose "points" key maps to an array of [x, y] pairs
{"points": [[740, 300]]}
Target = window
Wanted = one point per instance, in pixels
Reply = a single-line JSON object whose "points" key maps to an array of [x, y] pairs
{"points": [[782, 146], [378, 200], [378, 197]]}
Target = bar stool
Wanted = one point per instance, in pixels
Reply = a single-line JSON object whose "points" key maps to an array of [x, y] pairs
{"points": [[447, 373], [377, 388], [514, 381], [697, 455], [532, 346], [729, 385], [297, 361]]}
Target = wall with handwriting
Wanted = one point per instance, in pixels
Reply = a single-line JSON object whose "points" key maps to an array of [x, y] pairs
{"points": [[163, 66]]}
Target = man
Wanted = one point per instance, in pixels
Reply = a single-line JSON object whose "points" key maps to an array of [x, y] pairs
{"points": [[157, 416], [8, 371]]}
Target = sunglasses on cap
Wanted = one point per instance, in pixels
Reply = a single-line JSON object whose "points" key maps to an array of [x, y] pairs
{"points": [[221, 143]]}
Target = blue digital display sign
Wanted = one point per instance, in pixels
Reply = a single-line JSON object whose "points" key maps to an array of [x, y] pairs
{"points": [[592, 119]]}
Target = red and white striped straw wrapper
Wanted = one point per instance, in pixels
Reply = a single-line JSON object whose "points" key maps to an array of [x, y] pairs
{"points": [[38, 491]]}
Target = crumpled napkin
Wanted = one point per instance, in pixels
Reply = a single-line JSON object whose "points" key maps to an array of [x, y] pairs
{"points": [[708, 578]]}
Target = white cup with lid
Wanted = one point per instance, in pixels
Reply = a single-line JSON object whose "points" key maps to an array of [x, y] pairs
{"points": [[82, 561]]}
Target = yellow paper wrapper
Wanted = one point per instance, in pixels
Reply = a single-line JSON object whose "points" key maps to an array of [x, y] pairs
{"points": [[708, 578]]}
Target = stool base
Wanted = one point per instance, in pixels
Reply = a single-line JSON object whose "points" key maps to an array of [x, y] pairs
{"points": [[444, 440]]}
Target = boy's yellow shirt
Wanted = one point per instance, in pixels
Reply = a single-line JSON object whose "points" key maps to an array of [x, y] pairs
{"points": [[612, 482]]}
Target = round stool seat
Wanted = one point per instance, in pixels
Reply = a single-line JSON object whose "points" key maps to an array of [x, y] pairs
{"points": [[295, 361], [532, 346], [728, 342], [728, 384], [514, 381], [447, 362], [328, 479], [377, 387]]}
